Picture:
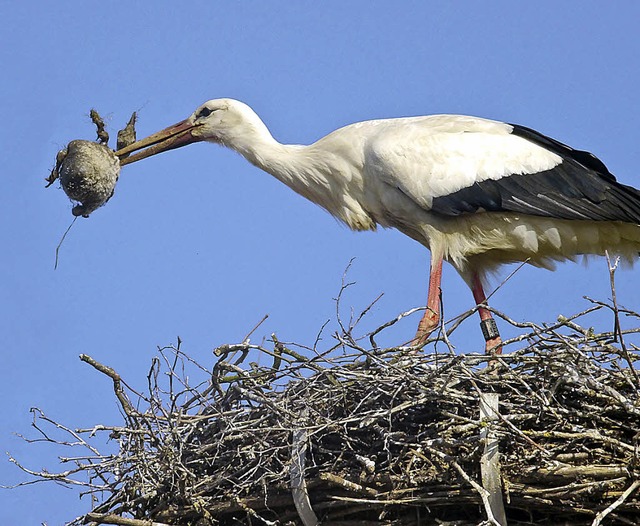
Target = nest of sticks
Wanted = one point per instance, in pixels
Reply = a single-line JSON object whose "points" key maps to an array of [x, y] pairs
{"points": [[547, 433]]}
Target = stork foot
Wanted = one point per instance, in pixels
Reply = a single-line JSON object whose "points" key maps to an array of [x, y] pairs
{"points": [[427, 325]]}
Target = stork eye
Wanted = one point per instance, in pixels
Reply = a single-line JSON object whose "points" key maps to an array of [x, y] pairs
{"points": [[204, 112]]}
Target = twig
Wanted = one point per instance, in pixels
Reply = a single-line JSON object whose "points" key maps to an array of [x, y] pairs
{"points": [[391, 323], [117, 381], [347, 484], [504, 281], [344, 285], [246, 338], [110, 518], [616, 313], [627, 493], [484, 494]]}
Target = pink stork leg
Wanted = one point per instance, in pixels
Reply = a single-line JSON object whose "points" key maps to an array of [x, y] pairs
{"points": [[431, 317], [487, 323]]}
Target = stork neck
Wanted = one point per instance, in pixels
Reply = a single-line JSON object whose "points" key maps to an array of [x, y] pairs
{"points": [[315, 172], [291, 164]]}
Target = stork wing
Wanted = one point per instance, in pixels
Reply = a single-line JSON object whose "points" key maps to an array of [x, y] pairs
{"points": [[507, 168]]}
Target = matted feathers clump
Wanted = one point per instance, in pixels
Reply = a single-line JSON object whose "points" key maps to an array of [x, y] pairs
{"points": [[358, 435], [88, 171], [88, 174]]}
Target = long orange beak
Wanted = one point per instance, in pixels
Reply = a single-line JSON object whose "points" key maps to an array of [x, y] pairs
{"points": [[175, 136]]}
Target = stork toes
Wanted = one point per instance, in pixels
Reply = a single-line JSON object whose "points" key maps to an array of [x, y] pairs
{"points": [[427, 325], [431, 320]]}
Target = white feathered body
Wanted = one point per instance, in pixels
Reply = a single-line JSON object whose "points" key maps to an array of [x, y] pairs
{"points": [[402, 173]]}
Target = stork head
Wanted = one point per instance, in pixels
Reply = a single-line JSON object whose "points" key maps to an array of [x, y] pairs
{"points": [[217, 120]]}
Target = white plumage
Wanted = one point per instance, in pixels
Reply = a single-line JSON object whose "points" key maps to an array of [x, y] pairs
{"points": [[478, 193]]}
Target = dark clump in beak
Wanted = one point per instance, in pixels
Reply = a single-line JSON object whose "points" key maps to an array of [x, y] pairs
{"points": [[175, 136]]}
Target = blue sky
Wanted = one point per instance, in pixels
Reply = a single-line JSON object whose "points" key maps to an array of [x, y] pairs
{"points": [[199, 244]]}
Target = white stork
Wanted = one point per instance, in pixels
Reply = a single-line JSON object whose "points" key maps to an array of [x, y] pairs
{"points": [[478, 193]]}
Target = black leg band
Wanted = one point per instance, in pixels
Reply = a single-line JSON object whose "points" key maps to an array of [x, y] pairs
{"points": [[489, 329]]}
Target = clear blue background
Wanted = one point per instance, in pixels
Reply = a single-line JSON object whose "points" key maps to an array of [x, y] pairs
{"points": [[200, 244]]}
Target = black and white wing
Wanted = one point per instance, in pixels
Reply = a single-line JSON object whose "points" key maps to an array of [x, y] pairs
{"points": [[462, 165]]}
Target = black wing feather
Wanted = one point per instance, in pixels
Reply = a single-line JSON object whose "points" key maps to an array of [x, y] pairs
{"points": [[580, 187], [586, 159]]}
